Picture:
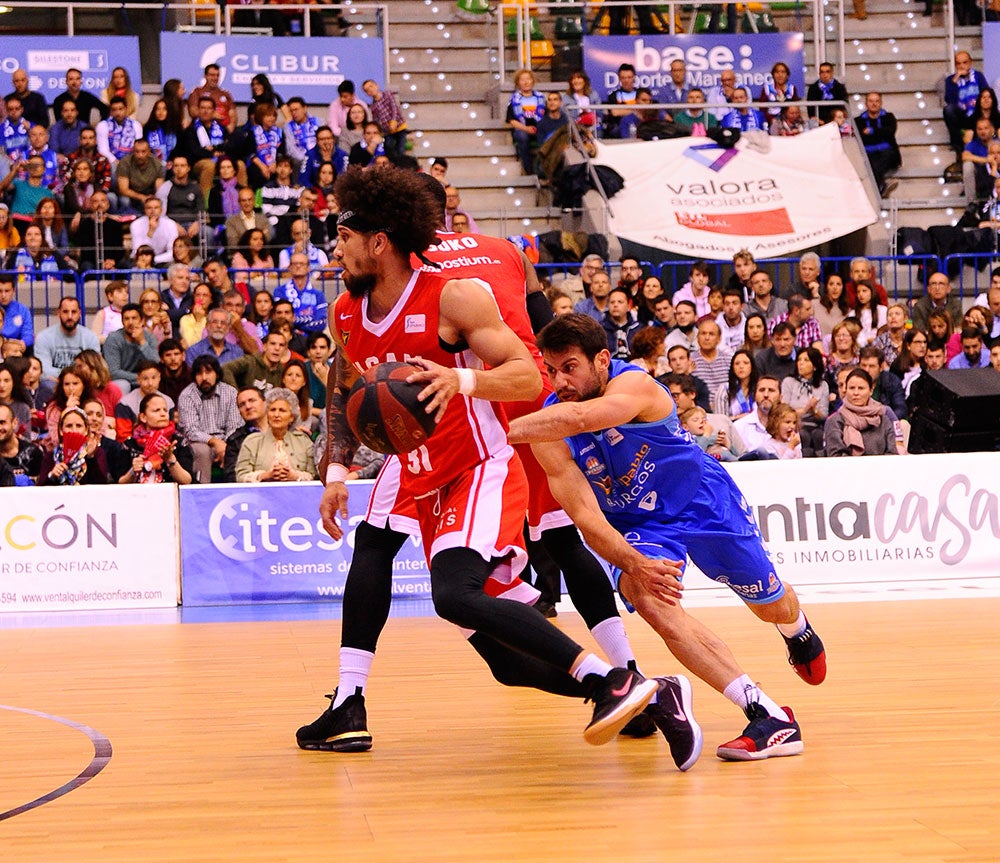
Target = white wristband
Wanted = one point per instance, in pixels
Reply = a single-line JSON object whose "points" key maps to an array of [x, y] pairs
{"points": [[336, 473], [466, 381]]}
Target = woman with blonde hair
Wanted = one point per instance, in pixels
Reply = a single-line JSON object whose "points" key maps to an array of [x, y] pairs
{"points": [[121, 85]]}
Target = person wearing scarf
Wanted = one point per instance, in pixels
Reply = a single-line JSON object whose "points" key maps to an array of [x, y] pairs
{"points": [[778, 89], [742, 116], [156, 455], [77, 458], [862, 426]]}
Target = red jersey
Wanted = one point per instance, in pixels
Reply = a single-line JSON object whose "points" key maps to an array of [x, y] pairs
{"points": [[498, 266], [471, 430]]}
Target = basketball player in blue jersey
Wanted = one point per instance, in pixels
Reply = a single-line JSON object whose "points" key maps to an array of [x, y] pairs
{"points": [[621, 466]]}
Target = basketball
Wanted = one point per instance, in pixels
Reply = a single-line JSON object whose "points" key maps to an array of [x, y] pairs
{"points": [[384, 411]]}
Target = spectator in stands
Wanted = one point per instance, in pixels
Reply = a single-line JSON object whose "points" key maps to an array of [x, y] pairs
{"points": [[623, 94], [696, 290], [744, 267], [826, 89], [800, 316], [25, 195], [734, 398], [101, 166], [38, 387], [525, 109], [961, 92], [453, 203], [155, 230], [731, 320], [886, 386], [279, 196], [261, 307], [21, 457], [246, 219], [302, 244], [300, 131], [77, 193], [127, 410], [386, 113], [139, 175], [808, 393], [266, 140], [120, 87], [207, 416], [743, 116], [832, 307], [36, 109], [788, 123], [14, 129], [86, 103], [976, 180], [878, 135], [868, 312], [686, 331], [619, 324], [648, 291], [296, 380], [38, 145], [175, 96], [204, 141], [862, 270], [911, 362], [862, 425], [711, 362], [322, 153], [35, 256], [125, 348], [117, 134], [215, 343], [16, 324], [280, 453], [161, 132], [251, 254], [77, 457], [695, 121], [184, 201], [938, 296], [552, 119], [596, 304], [64, 136], [92, 368], [49, 220], [319, 349], [175, 373], [261, 370], [807, 279], [223, 197], [686, 390], [308, 301], [99, 239], [778, 361], [649, 350], [940, 327], [241, 331], [72, 389], [101, 434], [157, 452], [109, 317], [339, 107], [10, 237], [191, 326], [763, 301], [438, 169], [986, 109], [752, 427], [784, 434], [890, 339], [755, 335], [717, 444], [253, 412], [974, 354], [12, 394], [223, 104], [778, 89], [156, 319]]}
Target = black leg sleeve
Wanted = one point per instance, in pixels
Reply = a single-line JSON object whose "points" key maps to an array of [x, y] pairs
{"points": [[368, 591], [457, 579], [512, 668], [586, 581]]}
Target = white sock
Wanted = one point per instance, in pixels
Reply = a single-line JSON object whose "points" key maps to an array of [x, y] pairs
{"points": [[355, 666], [793, 630], [610, 635], [743, 692], [591, 665]]}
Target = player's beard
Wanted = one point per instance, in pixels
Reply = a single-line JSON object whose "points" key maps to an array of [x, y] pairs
{"points": [[360, 285]]}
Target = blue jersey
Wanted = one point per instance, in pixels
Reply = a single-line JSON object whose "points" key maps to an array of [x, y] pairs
{"points": [[639, 470]]}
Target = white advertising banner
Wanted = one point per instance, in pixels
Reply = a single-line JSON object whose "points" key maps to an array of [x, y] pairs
{"points": [[695, 198], [89, 547], [859, 524]]}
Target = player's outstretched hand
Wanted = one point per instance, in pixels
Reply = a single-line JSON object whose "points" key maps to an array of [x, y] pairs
{"points": [[442, 383], [333, 504], [661, 578]]}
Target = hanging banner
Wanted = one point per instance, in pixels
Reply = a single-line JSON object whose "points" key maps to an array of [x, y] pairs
{"points": [[699, 200], [46, 59], [311, 68], [88, 547], [705, 55], [266, 543]]}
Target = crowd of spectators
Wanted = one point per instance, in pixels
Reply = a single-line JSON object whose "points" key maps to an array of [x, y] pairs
{"points": [[817, 367]]}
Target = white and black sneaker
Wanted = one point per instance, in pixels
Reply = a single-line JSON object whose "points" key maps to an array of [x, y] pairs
{"points": [[673, 716]]}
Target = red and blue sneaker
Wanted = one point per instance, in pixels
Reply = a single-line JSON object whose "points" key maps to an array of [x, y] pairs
{"points": [[807, 656], [765, 737]]}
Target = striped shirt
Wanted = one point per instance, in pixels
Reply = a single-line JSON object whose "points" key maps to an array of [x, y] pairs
{"points": [[203, 416]]}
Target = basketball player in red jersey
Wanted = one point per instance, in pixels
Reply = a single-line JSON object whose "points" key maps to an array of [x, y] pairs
{"points": [[391, 517], [467, 482]]}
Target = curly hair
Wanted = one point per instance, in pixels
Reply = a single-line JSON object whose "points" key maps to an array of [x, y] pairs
{"points": [[391, 201]]}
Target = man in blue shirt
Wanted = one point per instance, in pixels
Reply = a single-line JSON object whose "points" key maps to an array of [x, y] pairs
{"points": [[645, 496], [17, 324], [974, 355]]}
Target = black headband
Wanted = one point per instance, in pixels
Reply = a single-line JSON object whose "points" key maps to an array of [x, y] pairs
{"points": [[356, 222]]}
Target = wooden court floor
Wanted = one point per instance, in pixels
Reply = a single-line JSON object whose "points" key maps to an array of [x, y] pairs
{"points": [[902, 757]]}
